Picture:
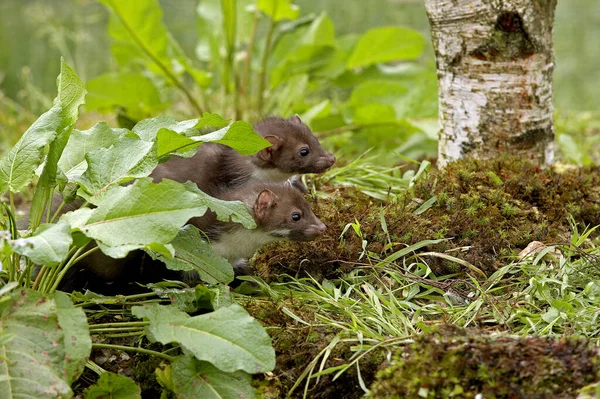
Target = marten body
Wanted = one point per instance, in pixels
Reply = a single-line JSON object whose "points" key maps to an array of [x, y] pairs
{"points": [[295, 150], [279, 210], [223, 173]]}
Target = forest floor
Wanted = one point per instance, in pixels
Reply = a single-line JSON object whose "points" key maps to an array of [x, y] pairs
{"points": [[482, 278]]}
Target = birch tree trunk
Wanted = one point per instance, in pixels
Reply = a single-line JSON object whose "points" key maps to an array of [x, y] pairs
{"points": [[495, 64]]}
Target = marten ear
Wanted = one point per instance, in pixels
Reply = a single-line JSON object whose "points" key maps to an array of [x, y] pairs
{"points": [[266, 154], [296, 118], [265, 201]]}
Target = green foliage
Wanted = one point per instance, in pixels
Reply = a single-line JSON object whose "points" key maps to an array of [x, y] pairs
{"points": [[18, 166], [48, 245], [578, 137], [228, 337], [132, 91], [386, 44], [45, 331], [200, 258], [111, 385], [262, 57], [200, 379], [123, 211]]}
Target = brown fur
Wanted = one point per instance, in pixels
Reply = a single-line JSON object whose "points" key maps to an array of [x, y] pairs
{"points": [[215, 166], [272, 206]]}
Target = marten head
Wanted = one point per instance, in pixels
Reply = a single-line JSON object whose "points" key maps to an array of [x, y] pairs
{"points": [[294, 149], [287, 215], [281, 211]]}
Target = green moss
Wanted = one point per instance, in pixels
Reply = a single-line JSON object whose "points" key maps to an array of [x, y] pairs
{"points": [[508, 210], [492, 207], [463, 363], [296, 345]]}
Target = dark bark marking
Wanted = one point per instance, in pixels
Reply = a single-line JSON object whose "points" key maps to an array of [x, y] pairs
{"points": [[509, 41], [529, 138]]}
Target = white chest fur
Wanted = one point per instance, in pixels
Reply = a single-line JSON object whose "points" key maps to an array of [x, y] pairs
{"points": [[241, 243], [269, 175]]}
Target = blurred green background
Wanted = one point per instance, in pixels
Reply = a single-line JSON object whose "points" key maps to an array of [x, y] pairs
{"points": [[36, 32]]}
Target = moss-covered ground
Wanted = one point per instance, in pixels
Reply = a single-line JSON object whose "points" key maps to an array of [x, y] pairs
{"points": [[488, 212]]}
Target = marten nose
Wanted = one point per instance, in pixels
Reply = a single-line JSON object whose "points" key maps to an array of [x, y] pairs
{"points": [[330, 159], [321, 227]]}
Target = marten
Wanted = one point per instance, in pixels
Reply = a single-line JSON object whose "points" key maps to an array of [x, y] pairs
{"points": [[222, 172], [279, 210], [294, 150]]}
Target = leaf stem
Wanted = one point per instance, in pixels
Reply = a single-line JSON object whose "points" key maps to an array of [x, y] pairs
{"points": [[38, 279], [75, 258], [134, 349], [50, 274], [94, 367], [135, 330], [123, 324], [10, 214], [60, 207], [156, 60]]}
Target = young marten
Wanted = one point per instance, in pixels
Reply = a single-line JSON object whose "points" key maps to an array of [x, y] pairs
{"points": [[295, 150], [280, 212]]}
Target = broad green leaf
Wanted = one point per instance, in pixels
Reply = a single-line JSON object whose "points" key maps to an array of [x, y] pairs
{"points": [[225, 210], [169, 141], [113, 386], [209, 120], [148, 128], [72, 163], [48, 245], [18, 166], [144, 213], [229, 338], [140, 36], [278, 10], [193, 378], [373, 113], [305, 60], [78, 343], [312, 49], [321, 32], [192, 252], [42, 357], [378, 92], [239, 135], [111, 166], [132, 91], [390, 43]]}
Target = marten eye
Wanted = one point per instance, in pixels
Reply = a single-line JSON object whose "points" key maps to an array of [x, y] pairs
{"points": [[296, 216], [304, 152]]}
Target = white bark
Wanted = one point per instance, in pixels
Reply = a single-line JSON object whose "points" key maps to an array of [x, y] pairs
{"points": [[495, 63]]}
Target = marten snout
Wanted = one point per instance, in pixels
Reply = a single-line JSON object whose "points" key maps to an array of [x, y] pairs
{"points": [[310, 232], [330, 158], [323, 163]]}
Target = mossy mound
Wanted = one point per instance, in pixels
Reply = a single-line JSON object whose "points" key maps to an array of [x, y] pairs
{"points": [[297, 345], [489, 209], [464, 363]]}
